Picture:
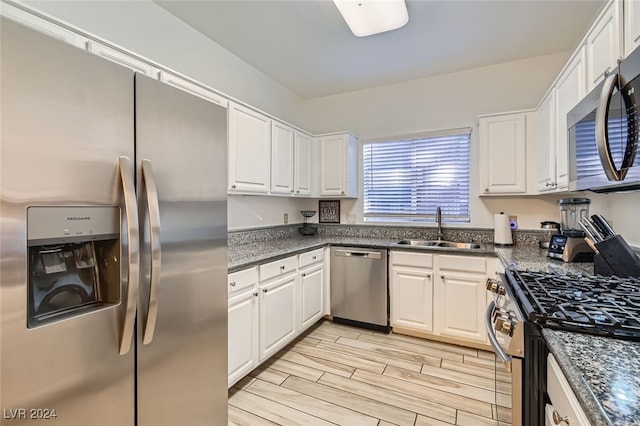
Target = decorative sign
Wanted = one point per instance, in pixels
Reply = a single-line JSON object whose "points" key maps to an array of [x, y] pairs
{"points": [[329, 211]]}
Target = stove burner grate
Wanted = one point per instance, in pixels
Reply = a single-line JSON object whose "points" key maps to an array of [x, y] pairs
{"points": [[608, 306]]}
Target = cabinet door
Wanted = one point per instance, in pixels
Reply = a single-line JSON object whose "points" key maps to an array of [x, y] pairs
{"points": [[311, 292], [277, 314], [249, 150], [546, 171], [503, 154], [631, 25], [570, 89], [411, 297], [124, 59], [243, 335], [281, 158], [338, 165], [604, 44], [461, 304], [302, 164], [333, 165], [194, 89]]}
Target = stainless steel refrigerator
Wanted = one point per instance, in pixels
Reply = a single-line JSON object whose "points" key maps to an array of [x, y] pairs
{"points": [[113, 249]]}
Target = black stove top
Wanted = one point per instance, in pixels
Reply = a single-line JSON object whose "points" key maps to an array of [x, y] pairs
{"points": [[607, 306]]}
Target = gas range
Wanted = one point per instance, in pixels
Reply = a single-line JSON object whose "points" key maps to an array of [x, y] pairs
{"points": [[607, 306], [525, 302]]}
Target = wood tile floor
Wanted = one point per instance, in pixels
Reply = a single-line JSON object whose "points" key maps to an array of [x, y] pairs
{"points": [[335, 374]]}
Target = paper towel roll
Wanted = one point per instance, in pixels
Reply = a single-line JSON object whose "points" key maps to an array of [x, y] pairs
{"points": [[502, 230]]}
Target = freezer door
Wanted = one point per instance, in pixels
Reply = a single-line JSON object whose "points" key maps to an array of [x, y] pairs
{"points": [[181, 143], [66, 118]]}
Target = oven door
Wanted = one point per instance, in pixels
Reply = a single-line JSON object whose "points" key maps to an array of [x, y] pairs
{"points": [[508, 371]]}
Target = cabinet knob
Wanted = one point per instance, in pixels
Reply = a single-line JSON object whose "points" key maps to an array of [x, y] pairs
{"points": [[232, 284], [233, 187], [486, 190], [292, 190], [255, 294], [304, 275], [298, 191], [442, 277], [314, 257], [342, 192], [428, 275], [282, 267], [265, 290], [557, 418]]}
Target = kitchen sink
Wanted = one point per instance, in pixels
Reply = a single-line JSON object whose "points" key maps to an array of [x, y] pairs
{"points": [[440, 243]]}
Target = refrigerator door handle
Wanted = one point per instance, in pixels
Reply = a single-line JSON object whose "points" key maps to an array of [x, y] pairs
{"points": [[133, 252], [153, 207]]}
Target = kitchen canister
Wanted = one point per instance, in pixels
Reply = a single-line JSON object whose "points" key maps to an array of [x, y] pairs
{"points": [[502, 230]]}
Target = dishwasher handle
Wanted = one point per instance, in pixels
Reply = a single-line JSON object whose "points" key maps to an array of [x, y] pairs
{"points": [[357, 253]]}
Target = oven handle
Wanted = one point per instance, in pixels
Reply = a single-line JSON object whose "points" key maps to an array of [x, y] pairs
{"points": [[492, 336]]}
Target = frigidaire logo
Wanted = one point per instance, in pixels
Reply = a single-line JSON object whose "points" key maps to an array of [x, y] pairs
{"points": [[78, 217]]}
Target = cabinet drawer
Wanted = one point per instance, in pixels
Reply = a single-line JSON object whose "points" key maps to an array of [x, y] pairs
{"points": [[242, 280], [311, 257], [463, 263], [561, 395], [278, 267], [408, 258]]}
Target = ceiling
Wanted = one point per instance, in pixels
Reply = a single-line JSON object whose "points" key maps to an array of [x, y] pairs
{"points": [[306, 46]]}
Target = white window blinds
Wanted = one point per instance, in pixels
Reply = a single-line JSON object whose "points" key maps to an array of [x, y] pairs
{"points": [[405, 180]]}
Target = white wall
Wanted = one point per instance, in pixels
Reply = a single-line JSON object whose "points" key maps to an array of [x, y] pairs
{"points": [[446, 102], [250, 211]]}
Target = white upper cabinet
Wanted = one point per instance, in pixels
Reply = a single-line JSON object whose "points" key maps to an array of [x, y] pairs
{"points": [[503, 154], [604, 44], [122, 58], [338, 165], [302, 164], [546, 154], [631, 25], [49, 28], [193, 88], [570, 88], [249, 150], [281, 158]]}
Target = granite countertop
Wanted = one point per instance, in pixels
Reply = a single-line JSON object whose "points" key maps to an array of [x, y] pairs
{"points": [[604, 373], [246, 255]]}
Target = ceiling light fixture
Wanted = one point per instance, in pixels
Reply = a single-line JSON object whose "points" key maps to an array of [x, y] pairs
{"points": [[367, 17]]}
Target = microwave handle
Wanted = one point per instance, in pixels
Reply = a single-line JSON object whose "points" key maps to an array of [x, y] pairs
{"points": [[629, 99], [602, 139]]}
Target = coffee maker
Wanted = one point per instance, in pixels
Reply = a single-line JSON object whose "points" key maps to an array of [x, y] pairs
{"points": [[570, 245]]}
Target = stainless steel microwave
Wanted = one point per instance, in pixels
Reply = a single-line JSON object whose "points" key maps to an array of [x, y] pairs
{"points": [[603, 133]]}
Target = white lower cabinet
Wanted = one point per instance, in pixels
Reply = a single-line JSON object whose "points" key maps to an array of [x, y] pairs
{"points": [[270, 305], [461, 297], [564, 408], [411, 288], [277, 314], [442, 295], [242, 324], [311, 290]]}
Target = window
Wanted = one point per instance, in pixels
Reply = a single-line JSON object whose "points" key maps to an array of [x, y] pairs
{"points": [[406, 179]]}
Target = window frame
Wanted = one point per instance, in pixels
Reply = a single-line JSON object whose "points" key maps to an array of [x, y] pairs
{"points": [[425, 217]]}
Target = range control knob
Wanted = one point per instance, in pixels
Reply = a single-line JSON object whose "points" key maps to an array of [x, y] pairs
{"points": [[495, 286], [507, 327], [498, 312], [501, 319]]}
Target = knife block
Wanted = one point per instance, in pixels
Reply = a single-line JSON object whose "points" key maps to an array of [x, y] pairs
{"points": [[616, 258]]}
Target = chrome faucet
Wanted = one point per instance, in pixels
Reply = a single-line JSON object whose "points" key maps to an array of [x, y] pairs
{"points": [[439, 222]]}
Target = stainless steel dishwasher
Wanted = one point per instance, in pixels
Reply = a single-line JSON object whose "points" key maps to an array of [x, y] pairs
{"points": [[359, 289]]}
